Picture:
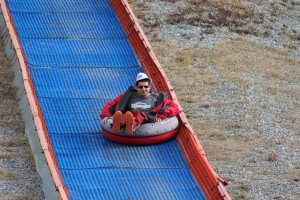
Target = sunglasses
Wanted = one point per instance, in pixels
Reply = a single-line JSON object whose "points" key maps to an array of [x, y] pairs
{"points": [[143, 86]]}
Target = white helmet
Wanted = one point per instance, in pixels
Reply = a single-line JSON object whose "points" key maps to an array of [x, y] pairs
{"points": [[141, 76]]}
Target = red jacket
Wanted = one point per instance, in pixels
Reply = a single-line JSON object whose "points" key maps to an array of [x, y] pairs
{"points": [[164, 107]]}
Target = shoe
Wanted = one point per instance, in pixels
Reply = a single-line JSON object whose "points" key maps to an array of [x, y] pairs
{"points": [[129, 120], [117, 118]]}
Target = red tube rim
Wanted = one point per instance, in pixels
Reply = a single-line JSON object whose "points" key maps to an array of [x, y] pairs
{"points": [[140, 140]]}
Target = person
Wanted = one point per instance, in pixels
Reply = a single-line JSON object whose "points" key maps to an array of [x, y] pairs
{"points": [[137, 106]]}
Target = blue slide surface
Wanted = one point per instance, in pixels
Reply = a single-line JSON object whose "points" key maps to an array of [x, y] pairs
{"points": [[79, 58]]}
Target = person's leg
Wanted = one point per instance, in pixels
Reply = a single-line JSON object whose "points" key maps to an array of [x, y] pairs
{"points": [[129, 123], [133, 120], [117, 122]]}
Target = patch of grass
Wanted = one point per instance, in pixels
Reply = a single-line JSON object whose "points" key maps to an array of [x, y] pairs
{"points": [[293, 174], [6, 175], [210, 80], [189, 97], [5, 156], [239, 191], [10, 116], [235, 15], [272, 157], [293, 117], [10, 148], [278, 76], [16, 141], [242, 62], [205, 104]]}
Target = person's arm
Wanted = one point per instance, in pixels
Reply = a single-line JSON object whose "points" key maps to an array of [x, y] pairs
{"points": [[109, 108], [167, 109]]}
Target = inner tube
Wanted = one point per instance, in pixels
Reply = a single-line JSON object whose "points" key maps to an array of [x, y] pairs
{"points": [[146, 134]]}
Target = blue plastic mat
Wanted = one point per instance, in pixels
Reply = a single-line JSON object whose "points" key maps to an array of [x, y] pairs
{"points": [[79, 59], [78, 53], [69, 25]]}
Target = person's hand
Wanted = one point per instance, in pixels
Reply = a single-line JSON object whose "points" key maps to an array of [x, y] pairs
{"points": [[158, 119], [104, 120]]}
